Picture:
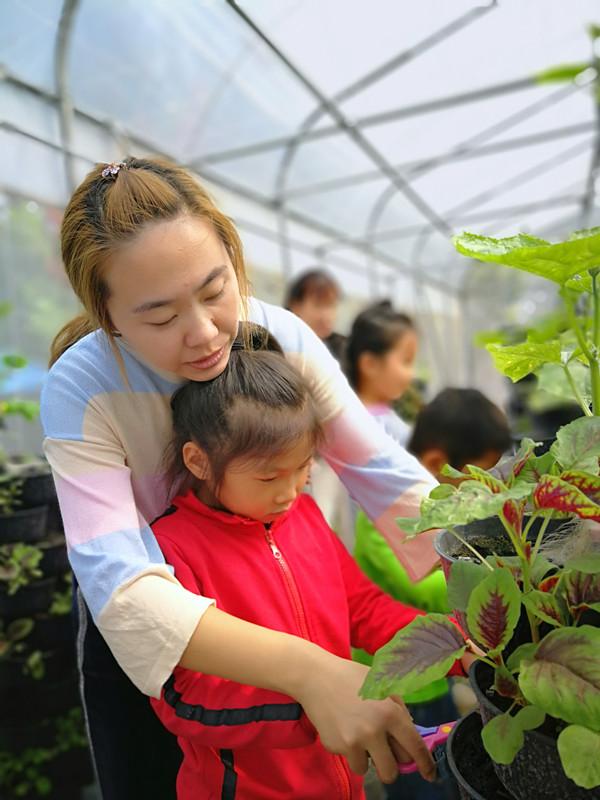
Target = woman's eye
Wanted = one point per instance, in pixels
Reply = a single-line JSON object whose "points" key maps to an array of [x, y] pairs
{"points": [[216, 296], [267, 480], [160, 324]]}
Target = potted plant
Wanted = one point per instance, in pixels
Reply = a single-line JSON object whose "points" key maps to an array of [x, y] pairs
{"points": [[23, 588], [531, 606]]}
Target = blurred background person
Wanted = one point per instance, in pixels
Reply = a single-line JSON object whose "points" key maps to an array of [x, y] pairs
{"points": [[314, 296]]}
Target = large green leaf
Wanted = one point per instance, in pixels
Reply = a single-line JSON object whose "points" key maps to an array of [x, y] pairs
{"points": [[588, 484], [503, 737], [493, 610], [464, 577], [470, 501], [563, 677], [579, 750], [517, 361], [577, 445], [419, 654], [523, 651], [553, 380], [556, 262], [589, 563]]}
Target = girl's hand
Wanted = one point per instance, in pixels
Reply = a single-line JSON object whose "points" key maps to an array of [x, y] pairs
{"points": [[356, 728]]}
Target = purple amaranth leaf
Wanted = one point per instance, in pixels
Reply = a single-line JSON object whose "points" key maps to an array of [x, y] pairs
{"points": [[417, 655], [493, 610], [582, 591]]}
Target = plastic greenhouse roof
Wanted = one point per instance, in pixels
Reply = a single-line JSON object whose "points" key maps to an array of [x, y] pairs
{"points": [[365, 133]]}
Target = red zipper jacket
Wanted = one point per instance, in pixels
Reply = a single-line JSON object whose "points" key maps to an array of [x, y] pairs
{"points": [[295, 576]]}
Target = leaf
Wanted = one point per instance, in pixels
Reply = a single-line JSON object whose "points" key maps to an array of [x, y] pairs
{"points": [[535, 467], [502, 738], [517, 361], [555, 262], [549, 583], [450, 472], [464, 577], [442, 491], [577, 445], [545, 606], [553, 380], [523, 651], [482, 476], [563, 73], [586, 483], [469, 502], [563, 677], [530, 717], [513, 514], [554, 493], [493, 610], [582, 590], [419, 654], [19, 629], [504, 682], [589, 564], [14, 362], [579, 751]]}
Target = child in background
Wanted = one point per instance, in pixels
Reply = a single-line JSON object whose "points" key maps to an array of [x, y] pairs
{"points": [[244, 534], [380, 359], [459, 427]]}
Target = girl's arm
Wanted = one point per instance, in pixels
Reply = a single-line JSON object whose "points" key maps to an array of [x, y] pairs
{"points": [[385, 480]]}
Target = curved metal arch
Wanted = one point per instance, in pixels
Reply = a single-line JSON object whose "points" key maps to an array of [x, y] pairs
{"points": [[65, 104]]}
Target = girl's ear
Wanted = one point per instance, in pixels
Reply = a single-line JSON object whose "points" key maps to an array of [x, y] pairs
{"points": [[368, 364], [196, 460]]}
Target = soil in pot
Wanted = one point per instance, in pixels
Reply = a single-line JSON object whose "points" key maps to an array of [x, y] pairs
{"points": [[27, 525], [536, 771], [470, 764]]}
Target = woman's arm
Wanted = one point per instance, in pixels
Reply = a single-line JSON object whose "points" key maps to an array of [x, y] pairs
{"points": [[385, 480]]}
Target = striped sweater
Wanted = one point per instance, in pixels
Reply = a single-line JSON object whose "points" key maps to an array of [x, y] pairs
{"points": [[105, 442]]}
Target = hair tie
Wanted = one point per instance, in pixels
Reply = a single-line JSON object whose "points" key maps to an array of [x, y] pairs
{"points": [[112, 170], [238, 344]]}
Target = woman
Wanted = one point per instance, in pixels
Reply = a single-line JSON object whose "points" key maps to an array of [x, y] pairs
{"points": [[160, 273]]}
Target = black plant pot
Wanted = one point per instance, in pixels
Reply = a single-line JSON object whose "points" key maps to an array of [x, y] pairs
{"points": [[37, 490], [42, 700], [13, 675], [54, 519], [470, 764], [54, 555], [536, 770], [52, 632], [31, 599], [27, 525]]}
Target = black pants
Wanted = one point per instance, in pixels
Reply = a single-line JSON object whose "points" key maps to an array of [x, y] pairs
{"points": [[135, 756]]}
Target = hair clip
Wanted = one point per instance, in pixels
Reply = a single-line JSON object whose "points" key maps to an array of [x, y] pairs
{"points": [[112, 170]]}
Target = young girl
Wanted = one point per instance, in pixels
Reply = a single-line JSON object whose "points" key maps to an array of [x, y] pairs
{"points": [[160, 274], [245, 535]]}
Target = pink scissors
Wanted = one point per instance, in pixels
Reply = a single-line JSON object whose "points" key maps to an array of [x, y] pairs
{"points": [[434, 737]]}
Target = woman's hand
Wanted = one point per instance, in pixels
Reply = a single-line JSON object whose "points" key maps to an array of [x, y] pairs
{"points": [[356, 728]]}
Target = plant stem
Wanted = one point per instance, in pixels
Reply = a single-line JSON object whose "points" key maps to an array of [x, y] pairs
{"points": [[573, 321], [584, 406], [539, 538], [471, 548]]}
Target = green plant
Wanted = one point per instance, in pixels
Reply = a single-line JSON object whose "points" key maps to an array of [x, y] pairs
{"points": [[556, 674], [19, 565], [11, 637], [10, 496], [23, 773], [62, 601]]}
